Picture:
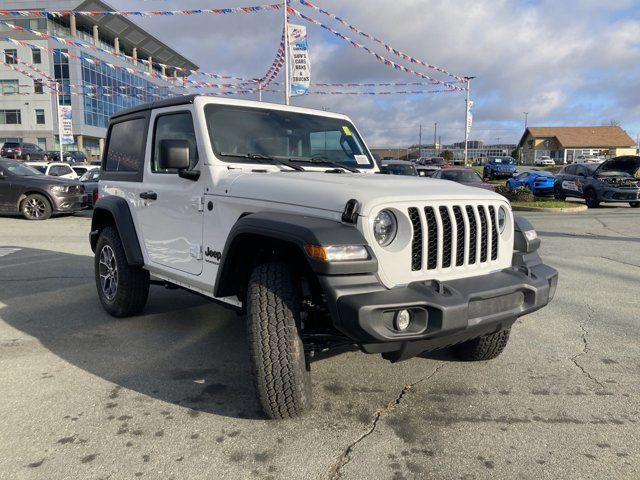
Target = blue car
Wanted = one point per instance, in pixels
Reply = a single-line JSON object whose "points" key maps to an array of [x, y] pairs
{"points": [[539, 182], [499, 167]]}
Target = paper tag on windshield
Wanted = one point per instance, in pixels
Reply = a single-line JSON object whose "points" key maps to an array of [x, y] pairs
{"points": [[361, 159], [346, 130]]}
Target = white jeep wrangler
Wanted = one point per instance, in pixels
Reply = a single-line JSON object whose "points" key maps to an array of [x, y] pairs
{"points": [[277, 212]]}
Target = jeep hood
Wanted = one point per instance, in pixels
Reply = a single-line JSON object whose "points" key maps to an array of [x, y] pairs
{"points": [[628, 165], [327, 191]]}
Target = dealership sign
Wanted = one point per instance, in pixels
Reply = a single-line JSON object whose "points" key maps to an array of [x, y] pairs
{"points": [[300, 63], [65, 117]]}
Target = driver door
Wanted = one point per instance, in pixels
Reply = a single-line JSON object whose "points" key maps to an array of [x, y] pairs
{"points": [[171, 215]]}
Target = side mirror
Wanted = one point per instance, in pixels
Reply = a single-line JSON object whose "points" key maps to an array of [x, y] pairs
{"points": [[174, 155]]}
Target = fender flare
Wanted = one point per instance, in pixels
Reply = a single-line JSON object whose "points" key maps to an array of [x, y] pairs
{"points": [[296, 230], [117, 209]]}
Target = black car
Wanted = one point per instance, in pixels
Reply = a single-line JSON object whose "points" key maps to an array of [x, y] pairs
{"points": [[90, 181], [25, 190], [611, 181], [23, 151], [398, 167]]}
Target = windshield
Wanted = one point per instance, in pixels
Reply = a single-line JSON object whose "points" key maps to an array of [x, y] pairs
{"points": [[543, 173], [284, 135], [20, 169], [505, 161], [463, 176], [399, 169]]}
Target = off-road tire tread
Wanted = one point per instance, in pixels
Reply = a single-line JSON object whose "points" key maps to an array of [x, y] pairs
{"points": [[280, 373], [133, 282], [487, 347]]}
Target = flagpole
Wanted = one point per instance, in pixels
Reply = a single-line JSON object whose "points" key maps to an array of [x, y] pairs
{"points": [[61, 159], [287, 86]]}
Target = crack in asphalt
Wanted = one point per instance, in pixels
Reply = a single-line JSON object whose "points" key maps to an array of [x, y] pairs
{"points": [[335, 472], [620, 262], [607, 227], [585, 350]]}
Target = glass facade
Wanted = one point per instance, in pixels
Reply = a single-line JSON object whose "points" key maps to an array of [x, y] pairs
{"points": [[103, 81], [61, 71]]}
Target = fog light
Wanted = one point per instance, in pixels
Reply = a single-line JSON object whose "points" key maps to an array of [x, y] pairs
{"points": [[402, 320]]}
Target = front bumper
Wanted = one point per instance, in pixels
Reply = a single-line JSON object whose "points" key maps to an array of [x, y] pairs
{"points": [[443, 313], [70, 202], [620, 195], [503, 174]]}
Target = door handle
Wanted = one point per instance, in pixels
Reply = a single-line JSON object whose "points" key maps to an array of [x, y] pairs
{"points": [[149, 195]]}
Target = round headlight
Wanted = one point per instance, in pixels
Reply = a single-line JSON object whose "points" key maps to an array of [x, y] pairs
{"points": [[502, 218], [385, 227]]}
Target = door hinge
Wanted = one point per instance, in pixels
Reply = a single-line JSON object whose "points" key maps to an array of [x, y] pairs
{"points": [[198, 203], [196, 251]]}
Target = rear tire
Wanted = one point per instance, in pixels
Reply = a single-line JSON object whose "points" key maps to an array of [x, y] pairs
{"points": [[123, 289], [36, 207], [591, 199], [634, 204], [280, 369], [487, 347], [558, 193]]}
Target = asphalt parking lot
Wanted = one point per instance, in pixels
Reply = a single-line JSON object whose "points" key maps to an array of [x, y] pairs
{"points": [[168, 395]]}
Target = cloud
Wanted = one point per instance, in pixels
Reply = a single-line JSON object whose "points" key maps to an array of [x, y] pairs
{"points": [[574, 62]]}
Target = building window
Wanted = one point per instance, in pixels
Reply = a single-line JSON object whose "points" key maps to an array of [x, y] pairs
{"points": [[37, 55], [9, 86], [38, 87], [11, 56], [40, 120], [42, 142], [98, 80], [10, 117], [61, 71]]}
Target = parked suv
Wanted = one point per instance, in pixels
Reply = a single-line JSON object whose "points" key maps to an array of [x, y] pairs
{"points": [[500, 167], [272, 210], [23, 151], [25, 190]]}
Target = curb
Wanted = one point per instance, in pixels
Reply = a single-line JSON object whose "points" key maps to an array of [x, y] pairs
{"points": [[580, 208]]}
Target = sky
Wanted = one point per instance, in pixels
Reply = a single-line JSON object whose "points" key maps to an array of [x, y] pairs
{"points": [[565, 62]]}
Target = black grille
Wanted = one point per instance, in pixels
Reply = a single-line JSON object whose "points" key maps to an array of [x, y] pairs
{"points": [[494, 234], [457, 213], [485, 234], [447, 237], [416, 244], [432, 233], [473, 232]]}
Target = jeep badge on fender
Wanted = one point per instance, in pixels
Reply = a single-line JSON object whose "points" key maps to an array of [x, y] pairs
{"points": [[318, 252]]}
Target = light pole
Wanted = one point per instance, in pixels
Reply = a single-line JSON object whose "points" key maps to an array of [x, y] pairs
{"points": [[287, 87], [420, 142], [466, 123], [526, 117], [435, 136]]}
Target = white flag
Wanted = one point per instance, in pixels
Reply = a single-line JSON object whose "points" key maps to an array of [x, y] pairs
{"points": [[300, 65]]}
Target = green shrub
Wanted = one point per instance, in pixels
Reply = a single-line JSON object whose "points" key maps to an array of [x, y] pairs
{"points": [[520, 194]]}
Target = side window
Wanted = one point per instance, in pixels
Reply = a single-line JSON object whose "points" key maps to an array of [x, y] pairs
{"points": [[54, 171], [65, 170], [523, 176], [125, 152], [174, 126], [570, 170]]}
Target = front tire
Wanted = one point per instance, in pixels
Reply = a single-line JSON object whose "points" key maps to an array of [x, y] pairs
{"points": [[634, 204], [123, 289], [280, 369], [483, 348], [36, 207]]}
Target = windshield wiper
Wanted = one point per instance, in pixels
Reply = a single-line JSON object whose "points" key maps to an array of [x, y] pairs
{"points": [[325, 161], [259, 156]]}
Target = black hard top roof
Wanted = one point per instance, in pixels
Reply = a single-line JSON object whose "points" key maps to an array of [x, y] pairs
{"points": [[169, 102]]}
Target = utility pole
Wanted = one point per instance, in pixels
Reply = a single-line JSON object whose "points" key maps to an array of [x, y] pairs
{"points": [[466, 123], [435, 136], [287, 87], [420, 142]]}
